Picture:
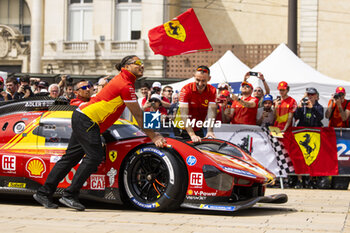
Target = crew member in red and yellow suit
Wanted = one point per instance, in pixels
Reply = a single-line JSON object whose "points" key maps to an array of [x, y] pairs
{"points": [[88, 122], [284, 107]]}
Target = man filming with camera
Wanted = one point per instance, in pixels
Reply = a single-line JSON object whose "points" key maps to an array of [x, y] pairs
{"points": [[309, 111], [338, 110]]}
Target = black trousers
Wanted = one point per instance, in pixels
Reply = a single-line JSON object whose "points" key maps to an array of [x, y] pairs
{"points": [[85, 139]]}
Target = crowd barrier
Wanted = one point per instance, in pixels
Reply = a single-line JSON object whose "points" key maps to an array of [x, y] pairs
{"points": [[271, 153]]}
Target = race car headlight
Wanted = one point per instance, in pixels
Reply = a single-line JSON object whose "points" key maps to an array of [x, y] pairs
{"points": [[217, 179]]}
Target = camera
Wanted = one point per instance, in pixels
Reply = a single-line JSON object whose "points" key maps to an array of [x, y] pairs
{"points": [[304, 101], [69, 79], [253, 73], [336, 96]]}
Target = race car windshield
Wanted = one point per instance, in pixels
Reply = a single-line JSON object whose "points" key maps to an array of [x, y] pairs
{"points": [[118, 132], [220, 148]]}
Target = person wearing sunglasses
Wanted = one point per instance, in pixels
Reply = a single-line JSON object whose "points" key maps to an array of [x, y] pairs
{"points": [[244, 109], [338, 110], [82, 91], [156, 105], [89, 121], [258, 91], [168, 93], [156, 89], [197, 101]]}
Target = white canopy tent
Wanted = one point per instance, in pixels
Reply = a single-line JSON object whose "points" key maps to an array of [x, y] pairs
{"points": [[283, 65], [227, 69]]}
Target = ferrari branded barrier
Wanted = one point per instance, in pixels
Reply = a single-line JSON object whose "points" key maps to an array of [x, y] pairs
{"points": [[258, 142], [343, 147]]}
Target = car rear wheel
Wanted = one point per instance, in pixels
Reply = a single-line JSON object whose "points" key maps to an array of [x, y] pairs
{"points": [[154, 179]]}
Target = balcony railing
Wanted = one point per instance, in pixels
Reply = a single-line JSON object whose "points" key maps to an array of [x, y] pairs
{"points": [[91, 50], [123, 46], [75, 46]]}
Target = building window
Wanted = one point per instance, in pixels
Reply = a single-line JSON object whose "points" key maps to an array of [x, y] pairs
{"points": [[80, 20], [128, 20], [16, 13]]}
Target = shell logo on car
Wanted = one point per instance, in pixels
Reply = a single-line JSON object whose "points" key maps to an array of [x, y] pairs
{"points": [[36, 167]]}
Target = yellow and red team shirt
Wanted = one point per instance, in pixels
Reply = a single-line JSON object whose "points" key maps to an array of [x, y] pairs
{"points": [[197, 102], [107, 106], [244, 115], [287, 106], [336, 120]]}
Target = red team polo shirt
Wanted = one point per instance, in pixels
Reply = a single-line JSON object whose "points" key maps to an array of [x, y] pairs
{"points": [[282, 111], [198, 102], [107, 106], [336, 120], [244, 115]]}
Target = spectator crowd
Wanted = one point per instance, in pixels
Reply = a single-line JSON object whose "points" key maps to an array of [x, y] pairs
{"points": [[198, 100]]}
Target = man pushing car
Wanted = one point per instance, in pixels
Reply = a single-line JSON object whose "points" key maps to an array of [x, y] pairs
{"points": [[89, 121]]}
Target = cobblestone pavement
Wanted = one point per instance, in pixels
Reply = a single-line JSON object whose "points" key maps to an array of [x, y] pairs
{"points": [[306, 211]]}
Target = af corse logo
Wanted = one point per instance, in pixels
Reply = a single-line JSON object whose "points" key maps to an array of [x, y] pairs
{"points": [[8, 163], [196, 178]]}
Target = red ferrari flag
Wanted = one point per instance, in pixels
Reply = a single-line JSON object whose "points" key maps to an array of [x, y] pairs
{"points": [[181, 35], [312, 150]]}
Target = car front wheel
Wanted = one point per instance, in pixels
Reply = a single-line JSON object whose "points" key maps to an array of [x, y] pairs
{"points": [[154, 179]]}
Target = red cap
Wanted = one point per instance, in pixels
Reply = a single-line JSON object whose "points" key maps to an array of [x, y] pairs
{"points": [[340, 90], [246, 83], [282, 85], [1, 79], [225, 93]]}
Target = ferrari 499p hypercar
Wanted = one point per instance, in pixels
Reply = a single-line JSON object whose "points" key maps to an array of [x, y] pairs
{"points": [[212, 175]]}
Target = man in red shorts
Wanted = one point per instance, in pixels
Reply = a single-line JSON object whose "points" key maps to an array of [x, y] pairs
{"points": [[89, 121], [197, 100], [284, 108], [244, 108]]}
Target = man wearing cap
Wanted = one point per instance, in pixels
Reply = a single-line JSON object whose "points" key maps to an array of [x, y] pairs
{"points": [[338, 110], [43, 86], [244, 108], [4, 96], [156, 89], [284, 107], [309, 111], [222, 105], [265, 116], [156, 105], [258, 91], [196, 102]]}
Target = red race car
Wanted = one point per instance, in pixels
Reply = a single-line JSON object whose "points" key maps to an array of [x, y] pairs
{"points": [[212, 175]]}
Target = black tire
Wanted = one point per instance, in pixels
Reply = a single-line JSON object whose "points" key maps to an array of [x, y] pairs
{"points": [[154, 179]]}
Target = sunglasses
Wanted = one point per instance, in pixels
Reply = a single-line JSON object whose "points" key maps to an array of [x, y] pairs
{"points": [[84, 87], [137, 62], [257, 90], [154, 100], [203, 70], [170, 91], [246, 86]]}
